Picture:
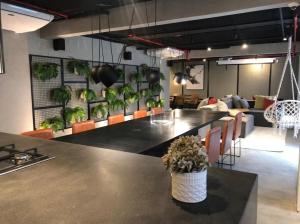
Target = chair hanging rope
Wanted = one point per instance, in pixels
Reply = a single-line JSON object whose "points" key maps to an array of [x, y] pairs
{"points": [[286, 114]]}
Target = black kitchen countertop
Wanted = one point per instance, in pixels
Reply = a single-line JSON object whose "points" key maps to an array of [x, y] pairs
{"points": [[140, 136], [85, 185]]}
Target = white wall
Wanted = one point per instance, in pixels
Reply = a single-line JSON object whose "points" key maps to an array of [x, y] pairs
{"points": [[15, 93], [15, 90]]}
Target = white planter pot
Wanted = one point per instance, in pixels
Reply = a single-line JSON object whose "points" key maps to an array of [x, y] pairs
{"points": [[189, 187]]}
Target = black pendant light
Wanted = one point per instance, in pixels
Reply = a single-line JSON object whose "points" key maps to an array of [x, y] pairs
{"points": [[153, 76]]}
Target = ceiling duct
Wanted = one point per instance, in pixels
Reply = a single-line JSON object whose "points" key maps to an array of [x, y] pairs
{"points": [[22, 20]]}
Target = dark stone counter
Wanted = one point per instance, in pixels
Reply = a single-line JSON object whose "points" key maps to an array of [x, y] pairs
{"points": [[86, 185]]}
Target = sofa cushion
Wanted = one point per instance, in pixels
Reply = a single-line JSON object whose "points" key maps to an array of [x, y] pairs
{"points": [[259, 102], [212, 100], [236, 101], [222, 106], [244, 104], [267, 103], [228, 101]]}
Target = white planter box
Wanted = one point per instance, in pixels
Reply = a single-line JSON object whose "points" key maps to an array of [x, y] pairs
{"points": [[189, 187]]}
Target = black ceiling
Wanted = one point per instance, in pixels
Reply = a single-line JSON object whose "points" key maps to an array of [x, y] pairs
{"points": [[269, 26], [221, 32], [72, 8]]}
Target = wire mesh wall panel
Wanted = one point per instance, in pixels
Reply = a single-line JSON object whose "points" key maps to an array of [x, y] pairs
{"points": [[142, 104], [69, 75], [129, 70], [44, 107], [43, 114], [75, 99], [42, 89]]}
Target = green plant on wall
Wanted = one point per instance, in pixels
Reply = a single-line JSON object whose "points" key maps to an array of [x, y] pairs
{"points": [[132, 98], [151, 102], [160, 103], [74, 115], [120, 73], [87, 95], [45, 71], [162, 76], [157, 88], [136, 77], [100, 111], [55, 123], [126, 90], [146, 93], [117, 104], [111, 94], [62, 94], [79, 67]]}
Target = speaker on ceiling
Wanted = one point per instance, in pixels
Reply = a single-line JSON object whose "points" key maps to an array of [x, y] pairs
{"points": [[127, 55], [59, 44]]}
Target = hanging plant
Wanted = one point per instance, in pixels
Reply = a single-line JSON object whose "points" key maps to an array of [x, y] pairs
{"points": [[45, 71], [79, 67], [61, 95], [100, 111], [55, 123], [74, 115], [88, 95], [126, 89], [132, 98], [117, 104], [157, 88], [162, 76], [136, 77], [107, 75]]}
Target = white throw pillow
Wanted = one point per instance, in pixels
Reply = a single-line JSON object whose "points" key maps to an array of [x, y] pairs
{"points": [[222, 106]]}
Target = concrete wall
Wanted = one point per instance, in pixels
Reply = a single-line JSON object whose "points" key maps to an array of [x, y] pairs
{"points": [[245, 80], [15, 91]]}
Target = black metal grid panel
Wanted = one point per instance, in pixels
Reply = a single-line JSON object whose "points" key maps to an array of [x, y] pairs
{"points": [[129, 70], [69, 76], [142, 104], [42, 105], [75, 100], [41, 114], [42, 89]]}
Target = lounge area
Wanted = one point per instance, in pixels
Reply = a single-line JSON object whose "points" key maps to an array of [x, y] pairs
{"points": [[149, 111]]}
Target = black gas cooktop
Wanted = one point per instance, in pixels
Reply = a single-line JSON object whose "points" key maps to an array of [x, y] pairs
{"points": [[12, 159]]}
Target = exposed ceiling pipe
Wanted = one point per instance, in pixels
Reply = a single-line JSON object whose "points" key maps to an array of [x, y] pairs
{"points": [[144, 40], [40, 8]]}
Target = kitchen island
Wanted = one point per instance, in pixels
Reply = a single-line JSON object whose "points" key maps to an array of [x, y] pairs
{"points": [[85, 185]]}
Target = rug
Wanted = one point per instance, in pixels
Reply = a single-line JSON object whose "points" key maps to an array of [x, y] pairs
{"points": [[265, 139]]}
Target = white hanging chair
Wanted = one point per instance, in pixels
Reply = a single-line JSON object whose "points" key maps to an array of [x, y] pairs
{"points": [[286, 114]]}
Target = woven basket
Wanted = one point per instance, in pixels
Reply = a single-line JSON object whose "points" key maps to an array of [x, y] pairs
{"points": [[189, 187]]}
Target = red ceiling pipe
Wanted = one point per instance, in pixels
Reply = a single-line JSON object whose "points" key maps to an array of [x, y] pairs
{"points": [[40, 8], [295, 31], [134, 37]]}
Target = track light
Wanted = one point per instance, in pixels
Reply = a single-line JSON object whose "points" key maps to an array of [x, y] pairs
{"points": [[284, 39], [245, 46], [209, 49], [204, 59]]}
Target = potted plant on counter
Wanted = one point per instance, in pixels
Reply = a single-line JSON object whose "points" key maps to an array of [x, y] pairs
{"points": [[187, 161], [55, 123]]}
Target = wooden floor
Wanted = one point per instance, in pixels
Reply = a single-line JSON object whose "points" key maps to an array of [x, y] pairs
{"points": [[277, 181]]}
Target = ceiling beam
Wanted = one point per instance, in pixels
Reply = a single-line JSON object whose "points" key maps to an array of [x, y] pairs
{"points": [[168, 12], [216, 29]]}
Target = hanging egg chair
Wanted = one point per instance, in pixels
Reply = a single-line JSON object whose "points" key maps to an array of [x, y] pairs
{"points": [[286, 114]]}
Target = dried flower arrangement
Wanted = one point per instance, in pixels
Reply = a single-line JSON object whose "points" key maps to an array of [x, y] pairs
{"points": [[186, 155]]}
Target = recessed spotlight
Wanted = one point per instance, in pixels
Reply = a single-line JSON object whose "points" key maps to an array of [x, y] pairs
{"points": [[284, 39], [244, 46], [204, 59], [209, 49]]}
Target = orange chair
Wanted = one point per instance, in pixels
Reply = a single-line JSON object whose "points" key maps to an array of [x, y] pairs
{"points": [[116, 119], [83, 126], [41, 133], [139, 114], [157, 110], [237, 133], [226, 141], [212, 144]]}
